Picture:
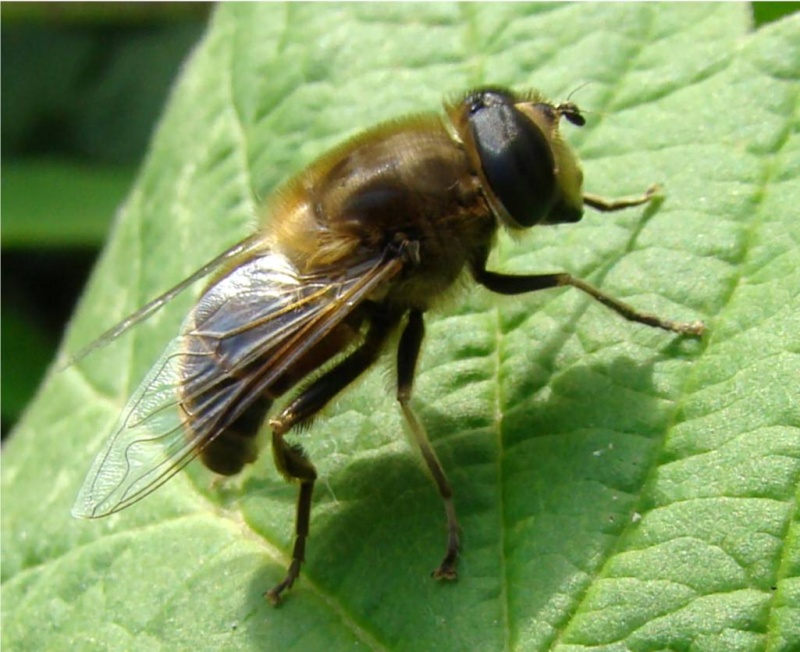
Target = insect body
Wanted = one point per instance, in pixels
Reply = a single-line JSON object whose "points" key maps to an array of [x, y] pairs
{"points": [[357, 246]]}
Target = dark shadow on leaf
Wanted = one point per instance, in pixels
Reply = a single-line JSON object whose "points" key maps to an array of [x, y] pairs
{"points": [[543, 497]]}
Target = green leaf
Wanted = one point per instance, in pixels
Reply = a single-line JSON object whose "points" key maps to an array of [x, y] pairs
{"points": [[618, 488]]}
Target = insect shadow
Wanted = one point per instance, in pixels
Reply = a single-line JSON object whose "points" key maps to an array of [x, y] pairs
{"points": [[546, 491]]}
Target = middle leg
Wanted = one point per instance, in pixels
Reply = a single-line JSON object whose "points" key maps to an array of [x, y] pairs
{"points": [[407, 355]]}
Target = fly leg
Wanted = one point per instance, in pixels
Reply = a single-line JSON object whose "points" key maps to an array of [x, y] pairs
{"points": [[291, 460], [506, 284], [293, 463], [605, 205], [513, 284], [407, 355]]}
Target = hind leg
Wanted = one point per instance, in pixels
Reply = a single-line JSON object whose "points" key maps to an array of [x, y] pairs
{"points": [[292, 461]]}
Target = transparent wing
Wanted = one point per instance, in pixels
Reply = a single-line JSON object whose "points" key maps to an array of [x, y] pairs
{"points": [[239, 249], [146, 445], [242, 335]]}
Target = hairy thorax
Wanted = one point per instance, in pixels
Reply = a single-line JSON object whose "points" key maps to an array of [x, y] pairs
{"points": [[413, 184]]}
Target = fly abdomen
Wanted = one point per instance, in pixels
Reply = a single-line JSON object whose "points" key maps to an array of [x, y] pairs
{"points": [[221, 416], [236, 445]]}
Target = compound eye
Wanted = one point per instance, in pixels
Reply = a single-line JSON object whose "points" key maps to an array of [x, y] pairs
{"points": [[486, 99], [516, 157]]}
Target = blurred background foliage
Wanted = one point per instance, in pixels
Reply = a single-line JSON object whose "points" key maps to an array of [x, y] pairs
{"points": [[83, 85]]}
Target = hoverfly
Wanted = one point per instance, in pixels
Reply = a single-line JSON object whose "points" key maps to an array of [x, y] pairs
{"points": [[359, 245]]}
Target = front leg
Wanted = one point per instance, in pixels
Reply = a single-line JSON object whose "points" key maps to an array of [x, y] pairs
{"points": [[510, 284], [605, 205]]}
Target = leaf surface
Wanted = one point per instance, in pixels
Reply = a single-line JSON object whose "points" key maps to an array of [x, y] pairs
{"points": [[618, 488]]}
